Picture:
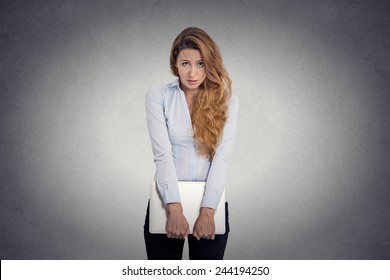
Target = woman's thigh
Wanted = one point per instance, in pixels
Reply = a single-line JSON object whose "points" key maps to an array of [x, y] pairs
{"points": [[207, 249], [159, 246]]}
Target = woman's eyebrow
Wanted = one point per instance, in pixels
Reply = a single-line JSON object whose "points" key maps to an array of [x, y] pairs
{"points": [[185, 59]]}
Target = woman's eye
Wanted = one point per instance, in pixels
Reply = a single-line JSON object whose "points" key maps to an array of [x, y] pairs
{"points": [[201, 64], [185, 63]]}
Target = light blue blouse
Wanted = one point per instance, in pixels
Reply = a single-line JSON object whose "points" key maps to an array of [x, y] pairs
{"points": [[174, 148]]}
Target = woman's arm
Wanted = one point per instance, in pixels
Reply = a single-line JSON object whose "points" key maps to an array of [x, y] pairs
{"points": [[216, 178], [204, 226], [166, 177]]}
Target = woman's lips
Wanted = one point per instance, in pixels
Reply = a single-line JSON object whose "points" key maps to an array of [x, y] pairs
{"points": [[192, 81]]}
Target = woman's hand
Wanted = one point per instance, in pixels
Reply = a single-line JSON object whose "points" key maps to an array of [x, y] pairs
{"points": [[205, 226], [177, 225]]}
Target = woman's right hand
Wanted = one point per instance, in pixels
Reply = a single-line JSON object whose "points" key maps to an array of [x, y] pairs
{"points": [[177, 225]]}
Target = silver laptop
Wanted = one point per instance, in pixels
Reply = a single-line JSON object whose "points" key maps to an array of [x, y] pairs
{"points": [[191, 195]]}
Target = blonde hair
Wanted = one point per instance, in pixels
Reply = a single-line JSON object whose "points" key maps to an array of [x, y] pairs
{"points": [[209, 112]]}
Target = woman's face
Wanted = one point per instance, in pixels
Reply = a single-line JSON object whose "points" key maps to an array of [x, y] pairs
{"points": [[191, 69]]}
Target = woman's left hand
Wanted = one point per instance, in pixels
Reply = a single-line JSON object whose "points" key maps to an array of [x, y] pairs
{"points": [[204, 226]]}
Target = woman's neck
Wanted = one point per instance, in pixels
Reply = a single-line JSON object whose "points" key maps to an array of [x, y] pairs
{"points": [[190, 98]]}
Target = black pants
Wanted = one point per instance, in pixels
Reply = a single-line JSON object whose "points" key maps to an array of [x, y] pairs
{"points": [[160, 247]]}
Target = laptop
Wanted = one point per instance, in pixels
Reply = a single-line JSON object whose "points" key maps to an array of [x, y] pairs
{"points": [[191, 195]]}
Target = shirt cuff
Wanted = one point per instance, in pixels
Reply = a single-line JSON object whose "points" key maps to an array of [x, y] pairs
{"points": [[170, 196], [210, 201]]}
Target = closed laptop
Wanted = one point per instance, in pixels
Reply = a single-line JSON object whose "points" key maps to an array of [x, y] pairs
{"points": [[191, 195]]}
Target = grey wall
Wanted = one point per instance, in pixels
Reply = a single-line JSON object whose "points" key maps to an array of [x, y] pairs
{"points": [[309, 175]]}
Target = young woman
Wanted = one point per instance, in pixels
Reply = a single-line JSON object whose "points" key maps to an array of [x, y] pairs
{"points": [[192, 122]]}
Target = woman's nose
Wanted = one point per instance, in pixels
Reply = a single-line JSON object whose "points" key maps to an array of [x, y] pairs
{"points": [[192, 71]]}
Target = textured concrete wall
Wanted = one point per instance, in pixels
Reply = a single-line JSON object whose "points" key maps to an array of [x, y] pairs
{"points": [[309, 175]]}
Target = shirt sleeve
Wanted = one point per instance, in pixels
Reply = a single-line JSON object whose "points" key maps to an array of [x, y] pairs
{"points": [[165, 176], [216, 178]]}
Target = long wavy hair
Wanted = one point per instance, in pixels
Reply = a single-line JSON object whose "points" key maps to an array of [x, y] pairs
{"points": [[209, 111]]}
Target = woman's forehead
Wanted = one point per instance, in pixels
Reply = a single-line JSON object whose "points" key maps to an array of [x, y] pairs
{"points": [[190, 54]]}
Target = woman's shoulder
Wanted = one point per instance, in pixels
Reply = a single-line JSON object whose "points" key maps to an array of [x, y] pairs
{"points": [[233, 106], [234, 101], [162, 91]]}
